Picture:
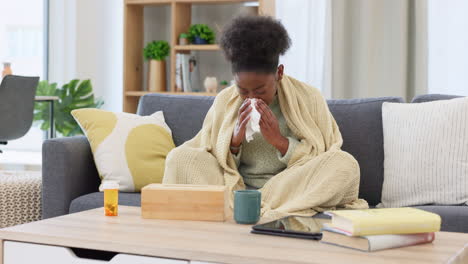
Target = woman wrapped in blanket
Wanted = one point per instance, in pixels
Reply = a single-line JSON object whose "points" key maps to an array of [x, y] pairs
{"points": [[295, 160]]}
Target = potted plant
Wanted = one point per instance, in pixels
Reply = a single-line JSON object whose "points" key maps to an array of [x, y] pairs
{"points": [[183, 39], [223, 84], [201, 34], [73, 95], [156, 52]]}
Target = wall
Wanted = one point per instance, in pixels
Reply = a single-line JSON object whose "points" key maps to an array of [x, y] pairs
{"points": [[86, 42], [156, 27], [305, 22], [215, 16], [62, 40]]}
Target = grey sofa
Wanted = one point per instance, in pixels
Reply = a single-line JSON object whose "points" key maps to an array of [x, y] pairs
{"points": [[70, 179]]}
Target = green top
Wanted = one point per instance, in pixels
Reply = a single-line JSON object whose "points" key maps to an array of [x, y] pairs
{"points": [[257, 160]]}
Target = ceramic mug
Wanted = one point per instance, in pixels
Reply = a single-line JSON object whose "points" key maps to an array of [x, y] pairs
{"points": [[247, 206]]}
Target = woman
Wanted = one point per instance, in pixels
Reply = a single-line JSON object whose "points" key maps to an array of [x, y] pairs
{"points": [[296, 160]]}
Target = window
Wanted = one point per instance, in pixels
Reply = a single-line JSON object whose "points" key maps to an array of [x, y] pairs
{"points": [[22, 43]]}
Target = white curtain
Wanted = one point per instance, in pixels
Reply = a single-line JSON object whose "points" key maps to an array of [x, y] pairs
{"points": [[376, 48], [448, 47], [305, 22], [357, 48]]}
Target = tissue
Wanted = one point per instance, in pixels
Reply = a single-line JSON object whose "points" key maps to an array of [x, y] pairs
{"points": [[254, 123]]}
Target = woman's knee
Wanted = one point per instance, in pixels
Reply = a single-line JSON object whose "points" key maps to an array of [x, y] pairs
{"points": [[174, 153], [179, 154], [343, 160]]}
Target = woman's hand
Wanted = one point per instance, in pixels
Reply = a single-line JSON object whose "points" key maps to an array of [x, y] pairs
{"points": [[270, 128], [241, 125]]}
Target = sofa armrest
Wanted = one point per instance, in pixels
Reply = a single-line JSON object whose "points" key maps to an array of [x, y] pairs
{"points": [[68, 171]]}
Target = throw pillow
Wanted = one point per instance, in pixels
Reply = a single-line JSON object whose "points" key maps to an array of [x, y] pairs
{"points": [[426, 153], [127, 148]]}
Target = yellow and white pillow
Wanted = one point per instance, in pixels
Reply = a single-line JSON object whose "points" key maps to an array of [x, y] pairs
{"points": [[127, 148]]}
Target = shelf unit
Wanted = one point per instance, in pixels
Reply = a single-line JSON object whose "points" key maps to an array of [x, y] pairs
{"points": [[196, 47], [180, 22], [141, 93]]}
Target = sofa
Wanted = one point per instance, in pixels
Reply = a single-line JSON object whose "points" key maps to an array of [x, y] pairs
{"points": [[70, 179]]}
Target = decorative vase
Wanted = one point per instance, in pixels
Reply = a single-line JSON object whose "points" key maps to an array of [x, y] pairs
{"points": [[6, 69], [211, 84], [183, 41], [157, 76], [199, 41]]}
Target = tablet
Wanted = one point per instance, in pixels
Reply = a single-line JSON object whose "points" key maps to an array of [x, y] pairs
{"points": [[294, 226]]}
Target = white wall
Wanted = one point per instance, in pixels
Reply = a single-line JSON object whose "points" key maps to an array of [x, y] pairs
{"points": [[86, 42], [305, 22], [62, 41], [156, 26]]}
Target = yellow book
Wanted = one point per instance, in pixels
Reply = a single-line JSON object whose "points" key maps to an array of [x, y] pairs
{"points": [[384, 221]]}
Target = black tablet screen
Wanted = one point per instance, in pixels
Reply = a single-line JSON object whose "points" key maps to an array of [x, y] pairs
{"points": [[294, 224]]}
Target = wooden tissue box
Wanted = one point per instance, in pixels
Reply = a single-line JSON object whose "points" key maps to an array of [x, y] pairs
{"points": [[185, 202]]}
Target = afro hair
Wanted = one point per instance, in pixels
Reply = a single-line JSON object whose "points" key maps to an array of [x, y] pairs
{"points": [[254, 43]]}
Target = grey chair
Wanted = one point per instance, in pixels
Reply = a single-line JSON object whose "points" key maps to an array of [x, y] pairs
{"points": [[16, 106]]}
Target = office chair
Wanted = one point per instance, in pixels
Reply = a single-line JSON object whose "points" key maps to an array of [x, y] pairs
{"points": [[16, 106]]}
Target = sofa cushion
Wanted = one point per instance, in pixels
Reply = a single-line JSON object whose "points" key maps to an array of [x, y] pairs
{"points": [[425, 148], [96, 200], [432, 97], [453, 217], [183, 114], [360, 123], [127, 148]]}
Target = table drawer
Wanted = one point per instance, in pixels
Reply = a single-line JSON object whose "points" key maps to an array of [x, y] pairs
{"points": [[26, 253]]}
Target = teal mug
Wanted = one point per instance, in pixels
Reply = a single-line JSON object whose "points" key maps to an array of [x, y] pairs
{"points": [[247, 206]]}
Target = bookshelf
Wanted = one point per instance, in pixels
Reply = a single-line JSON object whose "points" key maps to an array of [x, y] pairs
{"points": [[180, 21], [196, 47]]}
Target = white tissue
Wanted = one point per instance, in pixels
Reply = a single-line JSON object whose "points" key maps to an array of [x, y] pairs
{"points": [[254, 123]]}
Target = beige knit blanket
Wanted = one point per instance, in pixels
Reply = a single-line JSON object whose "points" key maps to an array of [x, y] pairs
{"points": [[319, 175]]}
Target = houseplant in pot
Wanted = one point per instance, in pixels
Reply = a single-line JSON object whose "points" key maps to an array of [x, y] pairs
{"points": [[223, 84], [183, 39], [73, 95], [201, 34], [156, 52]]}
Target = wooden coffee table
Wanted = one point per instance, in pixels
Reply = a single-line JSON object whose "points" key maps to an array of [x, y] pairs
{"points": [[195, 242]]}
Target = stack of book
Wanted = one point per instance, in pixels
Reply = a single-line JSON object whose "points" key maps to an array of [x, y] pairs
{"points": [[377, 229], [187, 73]]}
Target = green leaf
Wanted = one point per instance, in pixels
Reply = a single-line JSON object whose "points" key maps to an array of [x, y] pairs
{"points": [[73, 95], [72, 86], [45, 126], [202, 31], [84, 89], [156, 50]]}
